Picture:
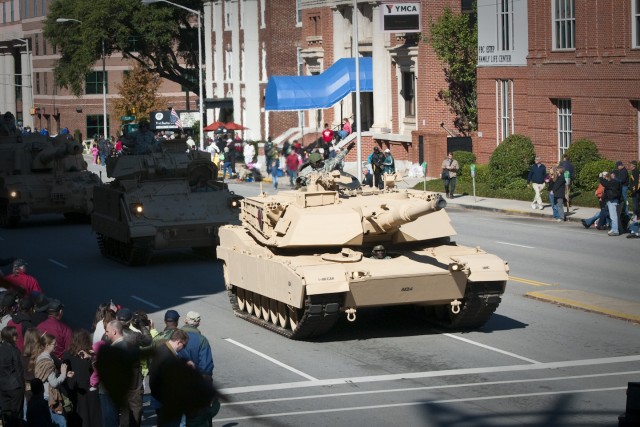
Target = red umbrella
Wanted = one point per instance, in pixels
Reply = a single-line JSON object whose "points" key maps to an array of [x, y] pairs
{"points": [[213, 126], [234, 126]]}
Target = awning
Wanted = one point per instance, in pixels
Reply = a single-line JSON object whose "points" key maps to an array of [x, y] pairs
{"points": [[293, 93]]}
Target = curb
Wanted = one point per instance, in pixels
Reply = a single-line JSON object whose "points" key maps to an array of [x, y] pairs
{"points": [[570, 217]]}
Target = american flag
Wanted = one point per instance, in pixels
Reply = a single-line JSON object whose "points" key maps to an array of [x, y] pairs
{"points": [[175, 118]]}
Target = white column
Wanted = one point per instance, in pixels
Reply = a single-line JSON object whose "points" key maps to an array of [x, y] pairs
{"points": [[339, 31], [10, 79], [235, 54], [3, 84], [252, 67], [218, 54], [27, 88], [208, 56], [381, 82]]}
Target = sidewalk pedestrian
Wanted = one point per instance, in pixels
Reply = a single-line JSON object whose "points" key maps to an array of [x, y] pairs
{"points": [[537, 173], [449, 175], [557, 189], [622, 175], [601, 217], [612, 195], [569, 176], [634, 187]]}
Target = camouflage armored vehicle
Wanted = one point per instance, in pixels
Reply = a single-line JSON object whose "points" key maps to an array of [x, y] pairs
{"points": [[303, 258], [40, 174], [166, 199]]}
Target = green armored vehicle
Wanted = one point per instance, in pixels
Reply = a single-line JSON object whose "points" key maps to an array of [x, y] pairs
{"points": [[165, 199], [42, 175]]}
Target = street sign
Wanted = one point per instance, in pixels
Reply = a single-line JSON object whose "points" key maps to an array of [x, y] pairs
{"points": [[401, 17], [127, 118]]}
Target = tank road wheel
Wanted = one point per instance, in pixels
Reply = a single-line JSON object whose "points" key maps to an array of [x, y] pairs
{"points": [[257, 305], [249, 302], [294, 317], [264, 307], [241, 298], [282, 314], [8, 218], [273, 311], [137, 251], [77, 218], [101, 244]]}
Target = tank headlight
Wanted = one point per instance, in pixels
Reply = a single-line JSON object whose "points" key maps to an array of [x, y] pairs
{"points": [[235, 202], [137, 209], [454, 266], [14, 194]]}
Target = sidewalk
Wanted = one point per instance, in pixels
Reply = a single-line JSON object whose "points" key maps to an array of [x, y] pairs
{"points": [[506, 206]]}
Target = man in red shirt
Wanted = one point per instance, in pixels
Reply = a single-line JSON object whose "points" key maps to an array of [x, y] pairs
{"points": [[20, 279], [57, 328], [293, 163]]}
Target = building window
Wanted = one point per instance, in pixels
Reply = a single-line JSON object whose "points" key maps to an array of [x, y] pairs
{"points": [[635, 13], [93, 83], [44, 46], [298, 13], [95, 124], [564, 126], [37, 83], [36, 47], [4, 13], [263, 6], [505, 24], [18, 82], [408, 93], [564, 24], [44, 83], [315, 22], [227, 61], [12, 9], [504, 109], [25, 11], [227, 15]]}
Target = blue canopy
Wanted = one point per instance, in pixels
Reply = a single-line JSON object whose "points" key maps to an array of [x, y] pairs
{"points": [[292, 93]]}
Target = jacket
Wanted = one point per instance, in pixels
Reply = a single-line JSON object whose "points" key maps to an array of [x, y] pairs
{"points": [[198, 350], [558, 187], [11, 370], [612, 189], [537, 173], [61, 331], [623, 176]]}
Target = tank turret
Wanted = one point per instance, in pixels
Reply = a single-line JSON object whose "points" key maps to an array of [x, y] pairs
{"points": [[40, 174], [330, 248], [167, 198]]}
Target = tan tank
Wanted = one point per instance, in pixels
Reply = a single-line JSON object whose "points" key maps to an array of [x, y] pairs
{"points": [[42, 175], [166, 199], [301, 259]]}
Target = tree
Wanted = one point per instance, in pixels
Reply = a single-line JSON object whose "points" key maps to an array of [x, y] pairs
{"points": [[162, 38], [139, 93], [455, 42]]}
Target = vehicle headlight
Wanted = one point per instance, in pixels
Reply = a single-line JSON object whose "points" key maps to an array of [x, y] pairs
{"points": [[137, 209], [14, 194], [235, 202]]}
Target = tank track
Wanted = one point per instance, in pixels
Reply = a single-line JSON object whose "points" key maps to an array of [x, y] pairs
{"points": [[134, 252], [475, 311], [318, 316]]}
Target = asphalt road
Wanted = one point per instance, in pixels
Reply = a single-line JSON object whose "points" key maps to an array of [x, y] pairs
{"points": [[533, 363]]}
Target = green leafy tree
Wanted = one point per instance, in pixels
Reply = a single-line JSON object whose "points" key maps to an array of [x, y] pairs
{"points": [[162, 38], [455, 42], [510, 162], [139, 94]]}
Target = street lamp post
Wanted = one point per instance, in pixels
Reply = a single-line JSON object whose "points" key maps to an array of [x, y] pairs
{"points": [[104, 77], [200, 103]]}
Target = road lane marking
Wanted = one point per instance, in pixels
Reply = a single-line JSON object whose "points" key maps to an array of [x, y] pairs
{"points": [[513, 244], [434, 374], [488, 347], [432, 387], [57, 263], [150, 304], [424, 402], [271, 359], [528, 281]]}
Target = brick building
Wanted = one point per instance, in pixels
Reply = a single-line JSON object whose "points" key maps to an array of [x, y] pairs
{"points": [[558, 71]]}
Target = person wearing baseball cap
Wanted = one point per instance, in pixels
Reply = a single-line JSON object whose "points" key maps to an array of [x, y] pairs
{"points": [[20, 279], [56, 327], [171, 318]]}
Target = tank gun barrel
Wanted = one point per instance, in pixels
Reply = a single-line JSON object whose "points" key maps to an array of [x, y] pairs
{"points": [[392, 217], [68, 148]]}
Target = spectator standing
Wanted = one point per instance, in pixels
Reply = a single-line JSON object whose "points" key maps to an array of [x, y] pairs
{"points": [[634, 186], [249, 152], [7, 307], [603, 216], [293, 163], [21, 279], [450, 168], [389, 164], [622, 175], [569, 176], [21, 320], [86, 402], [104, 150], [94, 153], [171, 319], [268, 155], [274, 170], [11, 377], [367, 178], [54, 326], [537, 174], [30, 351], [557, 189], [38, 414], [376, 159], [612, 195]]}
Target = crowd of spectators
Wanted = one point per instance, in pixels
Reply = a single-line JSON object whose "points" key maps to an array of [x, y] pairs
{"points": [[51, 374]]}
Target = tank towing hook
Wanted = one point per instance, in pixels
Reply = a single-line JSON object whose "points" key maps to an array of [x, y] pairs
{"points": [[351, 314], [455, 306]]}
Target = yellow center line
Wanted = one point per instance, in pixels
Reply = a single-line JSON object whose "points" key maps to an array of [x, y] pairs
{"points": [[529, 282]]}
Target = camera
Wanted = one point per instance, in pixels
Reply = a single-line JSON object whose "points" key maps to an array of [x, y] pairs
{"points": [[140, 319]]}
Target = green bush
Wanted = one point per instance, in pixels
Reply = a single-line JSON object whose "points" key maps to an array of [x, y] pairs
{"points": [[482, 173], [588, 175], [510, 161], [464, 158], [580, 153]]}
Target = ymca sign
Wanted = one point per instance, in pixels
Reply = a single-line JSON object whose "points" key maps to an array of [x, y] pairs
{"points": [[401, 17]]}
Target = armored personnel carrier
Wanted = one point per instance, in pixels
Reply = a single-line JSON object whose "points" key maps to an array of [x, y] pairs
{"points": [[40, 174], [300, 259], [166, 199]]}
